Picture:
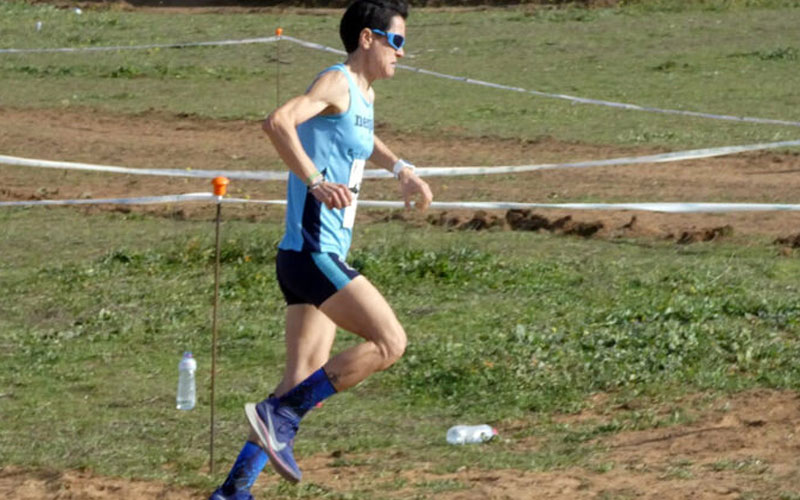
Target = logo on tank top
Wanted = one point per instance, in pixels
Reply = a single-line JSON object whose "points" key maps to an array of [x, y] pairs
{"points": [[363, 121]]}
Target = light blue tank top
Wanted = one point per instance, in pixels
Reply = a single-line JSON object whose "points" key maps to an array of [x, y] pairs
{"points": [[339, 145]]}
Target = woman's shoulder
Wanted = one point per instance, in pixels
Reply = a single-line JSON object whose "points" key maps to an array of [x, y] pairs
{"points": [[332, 76], [330, 82]]}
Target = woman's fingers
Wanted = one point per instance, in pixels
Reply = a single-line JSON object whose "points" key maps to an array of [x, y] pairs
{"points": [[333, 195], [412, 186]]}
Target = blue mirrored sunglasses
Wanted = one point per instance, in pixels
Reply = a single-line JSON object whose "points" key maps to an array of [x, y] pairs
{"points": [[395, 40]]}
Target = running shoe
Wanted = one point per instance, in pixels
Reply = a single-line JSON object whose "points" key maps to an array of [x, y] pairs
{"points": [[239, 495], [276, 428]]}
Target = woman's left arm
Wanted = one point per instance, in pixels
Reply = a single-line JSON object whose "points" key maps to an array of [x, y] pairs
{"points": [[410, 183]]}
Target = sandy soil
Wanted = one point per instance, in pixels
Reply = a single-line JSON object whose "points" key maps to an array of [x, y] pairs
{"points": [[743, 447]]}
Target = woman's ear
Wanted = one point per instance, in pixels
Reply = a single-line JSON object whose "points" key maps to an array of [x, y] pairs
{"points": [[366, 38]]}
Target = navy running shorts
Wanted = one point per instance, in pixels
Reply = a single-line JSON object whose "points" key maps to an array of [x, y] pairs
{"points": [[311, 277]]}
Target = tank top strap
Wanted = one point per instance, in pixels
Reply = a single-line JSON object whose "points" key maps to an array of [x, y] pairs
{"points": [[354, 90]]}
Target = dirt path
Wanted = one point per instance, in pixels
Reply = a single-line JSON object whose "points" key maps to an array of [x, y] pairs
{"points": [[156, 140], [742, 447]]}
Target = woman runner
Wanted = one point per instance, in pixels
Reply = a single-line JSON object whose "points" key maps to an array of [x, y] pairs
{"points": [[325, 136]]}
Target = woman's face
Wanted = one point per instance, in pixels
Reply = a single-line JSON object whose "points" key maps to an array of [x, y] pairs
{"points": [[386, 56]]}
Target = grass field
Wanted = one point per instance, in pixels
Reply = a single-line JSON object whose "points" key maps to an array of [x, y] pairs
{"points": [[508, 328], [725, 60], [524, 325]]}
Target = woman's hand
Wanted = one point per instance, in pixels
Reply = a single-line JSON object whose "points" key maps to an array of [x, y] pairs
{"points": [[332, 195], [412, 186]]}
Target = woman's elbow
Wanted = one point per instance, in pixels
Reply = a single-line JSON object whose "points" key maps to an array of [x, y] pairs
{"points": [[270, 125], [276, 124]]}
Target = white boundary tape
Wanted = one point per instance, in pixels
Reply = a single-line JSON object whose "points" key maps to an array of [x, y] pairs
{"points": [[317, 46], [505, 205], [574, 99], [673, 208], [611, 104], [144, 200], [692, 154], [312, 45], [163, 172], [424, 172], [142, 47], [441, 205]]}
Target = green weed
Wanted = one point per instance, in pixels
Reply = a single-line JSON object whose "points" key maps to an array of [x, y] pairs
{"points": [[779, 54], [750, 465]]}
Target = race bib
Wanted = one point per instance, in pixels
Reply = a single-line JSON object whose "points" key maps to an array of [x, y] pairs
{"points": [[356, 174]]}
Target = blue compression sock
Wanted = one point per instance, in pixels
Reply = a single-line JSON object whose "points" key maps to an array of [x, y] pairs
{"points": [[308, 393], [245, 470]]}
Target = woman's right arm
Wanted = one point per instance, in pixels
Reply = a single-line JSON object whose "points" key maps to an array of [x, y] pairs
{"points": [[329, 94]]}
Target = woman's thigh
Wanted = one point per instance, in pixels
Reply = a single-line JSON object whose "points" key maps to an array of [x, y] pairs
{"points": [[361, 309]]}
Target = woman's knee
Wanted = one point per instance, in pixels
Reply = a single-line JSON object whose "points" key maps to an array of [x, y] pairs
{"points": [[392, 345]]}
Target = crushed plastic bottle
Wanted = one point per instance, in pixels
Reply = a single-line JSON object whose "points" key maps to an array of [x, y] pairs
{"points": [[465, 434], [186, 398]]}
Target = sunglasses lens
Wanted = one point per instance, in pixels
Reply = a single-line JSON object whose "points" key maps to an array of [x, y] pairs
{"points": [[396, 41]]}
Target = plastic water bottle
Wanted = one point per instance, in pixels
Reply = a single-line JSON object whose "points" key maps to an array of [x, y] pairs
{"points": [[186, 387], [463, 434]]}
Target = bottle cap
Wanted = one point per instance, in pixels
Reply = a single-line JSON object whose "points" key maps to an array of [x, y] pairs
{"points": [[188, 354], [220, 185]]}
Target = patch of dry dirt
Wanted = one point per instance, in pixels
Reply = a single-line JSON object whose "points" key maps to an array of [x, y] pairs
{"points": [[156, 140], [20, 484], [745, 446]]}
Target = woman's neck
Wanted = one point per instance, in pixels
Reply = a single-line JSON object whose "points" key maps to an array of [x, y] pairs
{"points": [[358, 68]]}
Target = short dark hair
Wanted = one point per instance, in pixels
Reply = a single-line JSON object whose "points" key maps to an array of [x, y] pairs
{"points": [[372, 14]]}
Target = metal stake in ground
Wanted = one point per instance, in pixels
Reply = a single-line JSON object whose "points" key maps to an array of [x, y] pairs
{"points": [[278, 33], [220, 187]]}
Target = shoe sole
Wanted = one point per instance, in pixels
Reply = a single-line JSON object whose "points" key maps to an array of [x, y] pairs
{"points": [[260, 429]]}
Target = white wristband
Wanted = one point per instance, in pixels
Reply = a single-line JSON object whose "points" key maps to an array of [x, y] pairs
{"points": [[400, 165]]}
